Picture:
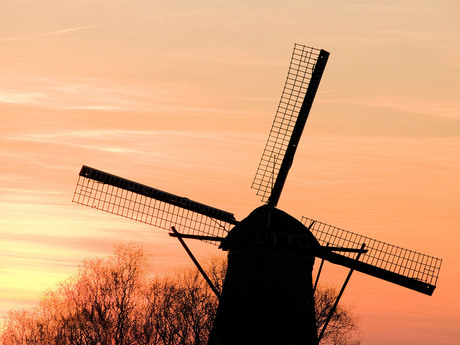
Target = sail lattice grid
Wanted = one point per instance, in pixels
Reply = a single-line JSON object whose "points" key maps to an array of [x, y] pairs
{"points": [[381, 255], [301, 68], [147, 205]]}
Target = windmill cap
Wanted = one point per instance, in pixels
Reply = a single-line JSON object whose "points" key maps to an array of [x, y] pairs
{"points": [[270, 228]]}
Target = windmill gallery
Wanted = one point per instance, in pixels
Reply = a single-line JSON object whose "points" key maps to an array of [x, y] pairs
{"points": [[267, 297]]}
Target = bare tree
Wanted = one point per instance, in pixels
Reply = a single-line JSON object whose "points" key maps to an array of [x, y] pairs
{"points": [[118, 301], [343, 326], [180, 308]]}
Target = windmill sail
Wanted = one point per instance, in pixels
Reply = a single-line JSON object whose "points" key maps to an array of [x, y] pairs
{"points": [[400, 266], [129, 199], [304, 75]]}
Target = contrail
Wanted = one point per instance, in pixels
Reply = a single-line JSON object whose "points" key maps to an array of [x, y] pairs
{"points": [[54, 33]]}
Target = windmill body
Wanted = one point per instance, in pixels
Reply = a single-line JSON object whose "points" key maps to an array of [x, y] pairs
{"points": [[267, 296]]}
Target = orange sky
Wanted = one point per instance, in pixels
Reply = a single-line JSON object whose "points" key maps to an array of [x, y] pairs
{"points": [[181, 96]]}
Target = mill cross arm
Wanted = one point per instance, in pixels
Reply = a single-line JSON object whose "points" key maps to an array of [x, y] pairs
{"points": [[116, 195]]}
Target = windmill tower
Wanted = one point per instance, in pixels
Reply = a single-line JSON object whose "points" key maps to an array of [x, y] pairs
{"points": [[267, 297]]}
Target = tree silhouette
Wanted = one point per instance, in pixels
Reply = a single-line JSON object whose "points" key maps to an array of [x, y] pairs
{"points": [[119, 301], [343, 326]]}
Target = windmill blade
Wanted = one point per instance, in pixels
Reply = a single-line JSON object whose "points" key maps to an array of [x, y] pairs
{"points": [[400, 266], [304, 75], [129, 199]]}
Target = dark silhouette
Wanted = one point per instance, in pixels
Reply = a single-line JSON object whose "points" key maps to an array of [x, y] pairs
{"points": [[268, 294]]}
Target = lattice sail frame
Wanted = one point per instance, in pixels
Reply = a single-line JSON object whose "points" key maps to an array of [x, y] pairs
{"points": [[132, 200], [302, 65], [380, 255]]}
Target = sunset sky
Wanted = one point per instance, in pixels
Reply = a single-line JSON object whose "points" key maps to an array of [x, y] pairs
{"points": [[180, 95]]}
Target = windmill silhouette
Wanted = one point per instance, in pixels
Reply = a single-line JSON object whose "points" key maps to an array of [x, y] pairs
{"points": [[267, 296]]}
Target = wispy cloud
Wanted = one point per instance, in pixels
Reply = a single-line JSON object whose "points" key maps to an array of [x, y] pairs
{"points": [[28, 191], [97, 94], [445, 109], [74, 94], [116, 134], [96, 140], [54, 32], [151, 147], [20, 97]]}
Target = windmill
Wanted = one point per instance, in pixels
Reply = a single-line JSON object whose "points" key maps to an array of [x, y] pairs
{"points": [[267, 296]]}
